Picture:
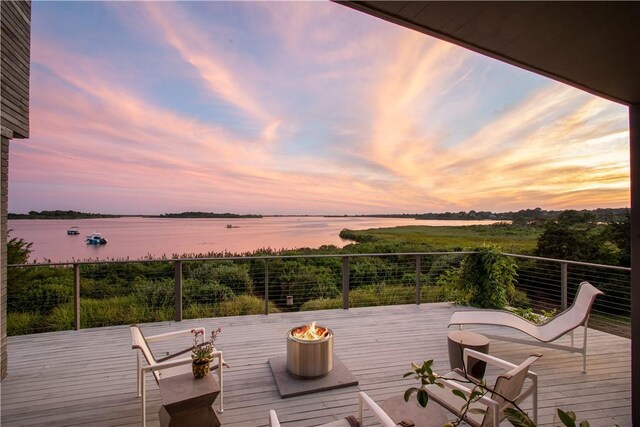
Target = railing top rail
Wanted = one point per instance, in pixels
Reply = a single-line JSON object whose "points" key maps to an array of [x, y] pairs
{"points": [[566, 261], [238, 258], [269, 257]]}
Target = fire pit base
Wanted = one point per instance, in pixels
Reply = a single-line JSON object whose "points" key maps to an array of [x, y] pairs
{"points": [[289, 386]]}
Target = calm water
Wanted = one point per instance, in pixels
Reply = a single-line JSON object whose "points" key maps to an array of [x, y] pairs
{"points": [[138, 237]]}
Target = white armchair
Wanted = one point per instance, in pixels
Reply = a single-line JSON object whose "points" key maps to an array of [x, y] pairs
{"points": [[509, 386], [168, 366], [363, 400]]}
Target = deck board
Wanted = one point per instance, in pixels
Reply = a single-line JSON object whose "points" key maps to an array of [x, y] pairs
{"points": [[88, 376]]}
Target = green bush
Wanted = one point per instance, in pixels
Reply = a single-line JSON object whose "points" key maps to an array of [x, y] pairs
{"points": [[377, 295], [24, 323], [105, 312], [485, 279], [212, 292], [154, 293], [365, 271], [234, 276], [322, 304], [199, 311], [440, 265], [305, 282], [243, 305]]}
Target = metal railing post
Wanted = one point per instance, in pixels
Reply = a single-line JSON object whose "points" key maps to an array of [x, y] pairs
{"points": [[345, 282], [418, 279], [76, 297], [266, 287], [178, 292], [563, 285]]}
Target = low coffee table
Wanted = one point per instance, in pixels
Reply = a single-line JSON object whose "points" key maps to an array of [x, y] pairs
{"points": [[186, 401], [431, 416], [458, 341]]}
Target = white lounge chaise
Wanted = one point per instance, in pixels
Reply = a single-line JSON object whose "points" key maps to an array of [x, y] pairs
{"points": [[565, 322]]}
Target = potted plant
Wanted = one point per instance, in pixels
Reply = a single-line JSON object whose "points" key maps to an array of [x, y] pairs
{"points": [[202, 353]]}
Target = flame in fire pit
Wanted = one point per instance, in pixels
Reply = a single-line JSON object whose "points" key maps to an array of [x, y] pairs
{"points": [[310, 332]]}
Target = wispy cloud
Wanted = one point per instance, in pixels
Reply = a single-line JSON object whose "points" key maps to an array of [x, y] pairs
{"points": [[313, 108]]}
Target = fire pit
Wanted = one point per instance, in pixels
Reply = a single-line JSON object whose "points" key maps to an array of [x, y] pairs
{"points": [[309, 351]]}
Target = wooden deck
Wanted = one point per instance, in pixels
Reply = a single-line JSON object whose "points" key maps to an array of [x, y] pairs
{"points": [[88, 377]]}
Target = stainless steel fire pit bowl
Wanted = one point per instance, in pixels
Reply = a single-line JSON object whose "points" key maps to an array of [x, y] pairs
{"points": [[309, 359]]}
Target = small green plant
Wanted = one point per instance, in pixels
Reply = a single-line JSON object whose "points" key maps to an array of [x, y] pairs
{"points": [[515, 415], [203, 352]]}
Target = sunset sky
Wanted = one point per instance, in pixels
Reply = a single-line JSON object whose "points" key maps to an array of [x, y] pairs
{"points": [[309, 108]]}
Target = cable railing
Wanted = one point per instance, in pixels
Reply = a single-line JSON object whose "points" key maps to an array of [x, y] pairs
{"points": [[82, 294]]}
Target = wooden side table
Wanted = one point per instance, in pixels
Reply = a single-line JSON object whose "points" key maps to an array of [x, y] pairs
{"points": [[458, 341], [186, 401], [399, 410]]}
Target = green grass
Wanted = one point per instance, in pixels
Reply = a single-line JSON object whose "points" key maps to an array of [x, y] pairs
{"points": [[125, 310], [377, 295], [24, 323], [510, 238]]}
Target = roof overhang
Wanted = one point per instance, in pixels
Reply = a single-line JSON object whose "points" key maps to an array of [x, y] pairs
{"points": [[594, 46]]}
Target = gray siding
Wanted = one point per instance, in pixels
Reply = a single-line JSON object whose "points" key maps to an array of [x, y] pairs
{"points": [[3, 258], [15, 58]]}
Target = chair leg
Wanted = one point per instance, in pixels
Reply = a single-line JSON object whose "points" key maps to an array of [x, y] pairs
{"points": [[138, 375], [143, 401], [535, 400], [584, 350], [220, 381], [571, 333], [360, 411]]}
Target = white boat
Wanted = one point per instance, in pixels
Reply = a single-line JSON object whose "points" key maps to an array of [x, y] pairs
{"points": [[96, 239], [73, 231]]}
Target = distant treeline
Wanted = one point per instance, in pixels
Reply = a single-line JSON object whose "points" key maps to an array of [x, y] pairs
{"points": [[59, 215], [536, 215], [206, 215]]}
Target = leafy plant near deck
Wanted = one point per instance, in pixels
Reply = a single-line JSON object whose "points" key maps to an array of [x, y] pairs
{"points": [[485, 279], [515, 415]]}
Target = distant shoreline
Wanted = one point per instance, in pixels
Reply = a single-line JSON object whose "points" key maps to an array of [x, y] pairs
{"points": [[527, 215]]}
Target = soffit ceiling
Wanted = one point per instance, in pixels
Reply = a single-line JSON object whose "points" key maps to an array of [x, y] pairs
{"points": [[594, 46]]}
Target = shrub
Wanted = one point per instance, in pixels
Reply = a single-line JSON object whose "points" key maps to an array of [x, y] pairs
{"points": [[234, 276], [243, 305], [194, 292], [105, 312], [440, 266], [484, 279], [199, 311], [24, 323], [154, 293], [368, 271], [322, 304], [305, 282]]}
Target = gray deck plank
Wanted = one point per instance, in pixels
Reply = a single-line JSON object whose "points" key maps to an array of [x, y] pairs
{"points": [[88, 377]]}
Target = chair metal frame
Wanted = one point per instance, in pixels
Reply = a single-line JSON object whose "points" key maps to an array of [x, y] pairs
{"points": [[575, 316], [141, 343], [494, 407]]}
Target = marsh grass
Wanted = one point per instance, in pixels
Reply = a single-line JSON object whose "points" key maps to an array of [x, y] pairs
{"points": [[510, 238], [377, 295]]}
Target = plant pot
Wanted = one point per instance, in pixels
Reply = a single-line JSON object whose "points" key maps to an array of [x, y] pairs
{"points": [[200, 368]]}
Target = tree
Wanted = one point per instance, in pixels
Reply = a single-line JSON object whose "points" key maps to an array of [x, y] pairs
{"points": [[18, 251]]}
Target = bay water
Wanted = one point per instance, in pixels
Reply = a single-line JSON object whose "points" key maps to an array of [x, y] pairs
{"points": [[139, 237]]}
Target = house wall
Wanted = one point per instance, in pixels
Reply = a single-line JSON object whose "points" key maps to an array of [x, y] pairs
{"points": [[634, 144], [3, 245], [15, 58]]}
